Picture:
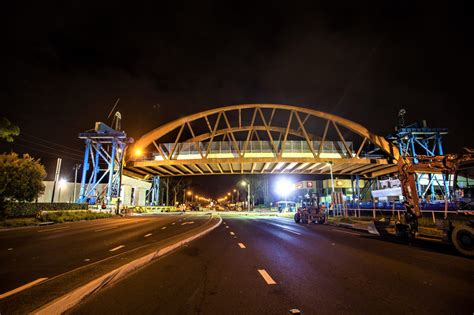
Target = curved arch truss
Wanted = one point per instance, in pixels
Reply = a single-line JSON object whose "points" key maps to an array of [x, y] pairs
{"points": [[261, 139]]}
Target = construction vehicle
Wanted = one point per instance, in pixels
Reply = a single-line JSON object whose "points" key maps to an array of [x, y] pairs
{"points": [[310, 211], [458, 226]]}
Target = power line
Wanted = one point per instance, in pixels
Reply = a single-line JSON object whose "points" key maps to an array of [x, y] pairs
{"points": [[50, 142], [47, 152], [50, 148]]}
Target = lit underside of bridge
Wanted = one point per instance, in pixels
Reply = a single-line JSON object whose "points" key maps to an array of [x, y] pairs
{"points": [[260, 139]]}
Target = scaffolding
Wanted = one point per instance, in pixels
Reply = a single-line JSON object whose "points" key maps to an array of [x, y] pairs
{"points": [[105, 147], [419, 139]]}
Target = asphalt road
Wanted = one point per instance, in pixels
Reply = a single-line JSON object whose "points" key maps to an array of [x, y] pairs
{"points": [[271, 265], [48, 252]]}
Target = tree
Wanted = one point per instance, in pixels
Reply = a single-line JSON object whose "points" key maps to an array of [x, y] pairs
{"points": [[21, 178], [7, 130]]}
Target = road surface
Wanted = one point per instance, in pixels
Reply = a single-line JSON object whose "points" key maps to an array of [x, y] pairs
{"points": [[38, 263], [252, 265]]}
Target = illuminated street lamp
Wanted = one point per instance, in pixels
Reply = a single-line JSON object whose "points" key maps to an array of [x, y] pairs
{"points": [[283, 188], [243, 184]]}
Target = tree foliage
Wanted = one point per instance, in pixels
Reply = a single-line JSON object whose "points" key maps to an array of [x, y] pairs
{"points": [[21, 178], [7, 130]]}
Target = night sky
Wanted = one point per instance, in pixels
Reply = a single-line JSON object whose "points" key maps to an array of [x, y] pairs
{"points": [[66, 64]]}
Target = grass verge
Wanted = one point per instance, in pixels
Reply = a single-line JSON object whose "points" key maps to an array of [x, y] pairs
{"points": [[70, 216]]}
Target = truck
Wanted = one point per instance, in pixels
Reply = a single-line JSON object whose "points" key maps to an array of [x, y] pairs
{"points": [[457, 226]]}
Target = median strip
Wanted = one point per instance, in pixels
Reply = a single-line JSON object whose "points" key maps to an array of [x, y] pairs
{"points": [[69, 300], [266, 276], [116, 248], [23, 287]]}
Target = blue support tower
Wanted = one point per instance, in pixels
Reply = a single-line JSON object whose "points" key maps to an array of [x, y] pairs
{"points": [[155, 191], [105, 147], [418, 139]]}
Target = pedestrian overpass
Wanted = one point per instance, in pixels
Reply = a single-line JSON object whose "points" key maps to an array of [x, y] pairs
{"points": [[260, 139]]}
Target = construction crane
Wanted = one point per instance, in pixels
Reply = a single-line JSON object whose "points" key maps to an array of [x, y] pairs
{"points": [[457, 226]]}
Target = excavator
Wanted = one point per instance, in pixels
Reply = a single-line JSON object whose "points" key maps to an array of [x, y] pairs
{"points": [[458, 225]]}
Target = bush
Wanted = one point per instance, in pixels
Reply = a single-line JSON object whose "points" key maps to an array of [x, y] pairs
{"points": [[31, 210], [69, 216]]}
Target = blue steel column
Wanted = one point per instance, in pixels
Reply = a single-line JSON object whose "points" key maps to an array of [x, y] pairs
{"points": [[155, 191], [96, 165], [111, 170], [441, 152], [85, 168]]}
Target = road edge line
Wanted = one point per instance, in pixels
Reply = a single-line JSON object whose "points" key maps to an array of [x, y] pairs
{"points": [[69, 300]]}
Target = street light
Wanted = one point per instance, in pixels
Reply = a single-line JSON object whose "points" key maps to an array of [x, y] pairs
{"points": [[330, 171], [243, 184], [283, 188]]}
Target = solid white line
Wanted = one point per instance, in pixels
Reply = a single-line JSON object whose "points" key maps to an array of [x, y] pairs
{"points": [[266, 276], [116, 248], [163, 228], [56, 229], [291, 231], [241, 245], [347, 232], [232, 233], [23, 287], [149, 234]]}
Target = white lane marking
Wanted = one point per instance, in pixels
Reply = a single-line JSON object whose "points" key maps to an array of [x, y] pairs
{"points": [[291, 231], [56, 229], [23, 287], [173, 223], [149, 234], [163, 228], [266, 276], [87, 259], [347, 232], [226, 226], [10, 248], [241, 245], [232, 233], [189, 222], [333, 244], [116, 248]]}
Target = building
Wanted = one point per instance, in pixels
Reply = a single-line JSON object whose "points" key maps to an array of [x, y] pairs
{"points": [[133, 191]]}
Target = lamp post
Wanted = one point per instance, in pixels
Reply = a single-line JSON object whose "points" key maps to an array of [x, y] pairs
{"points": [[244, 183]]}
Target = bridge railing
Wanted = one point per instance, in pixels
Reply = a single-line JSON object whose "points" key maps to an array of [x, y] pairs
{"points": [[263, 146]]}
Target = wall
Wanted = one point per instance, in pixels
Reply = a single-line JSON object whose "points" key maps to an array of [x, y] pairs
{"points": [[65, 192]]}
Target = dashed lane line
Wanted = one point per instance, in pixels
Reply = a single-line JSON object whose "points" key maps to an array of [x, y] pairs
{"points": [[116, 248], [266, 277], [149, 234], [23, 287], [163, 228], [241, 245], [232, 233], [188, 222], [291, 231]]}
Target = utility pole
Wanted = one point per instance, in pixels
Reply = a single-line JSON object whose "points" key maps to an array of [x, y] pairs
{"points": [[56, 177], [76, 168]]}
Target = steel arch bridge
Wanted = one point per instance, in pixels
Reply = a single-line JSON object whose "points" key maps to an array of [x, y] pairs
{"points": [[260, 139]]}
